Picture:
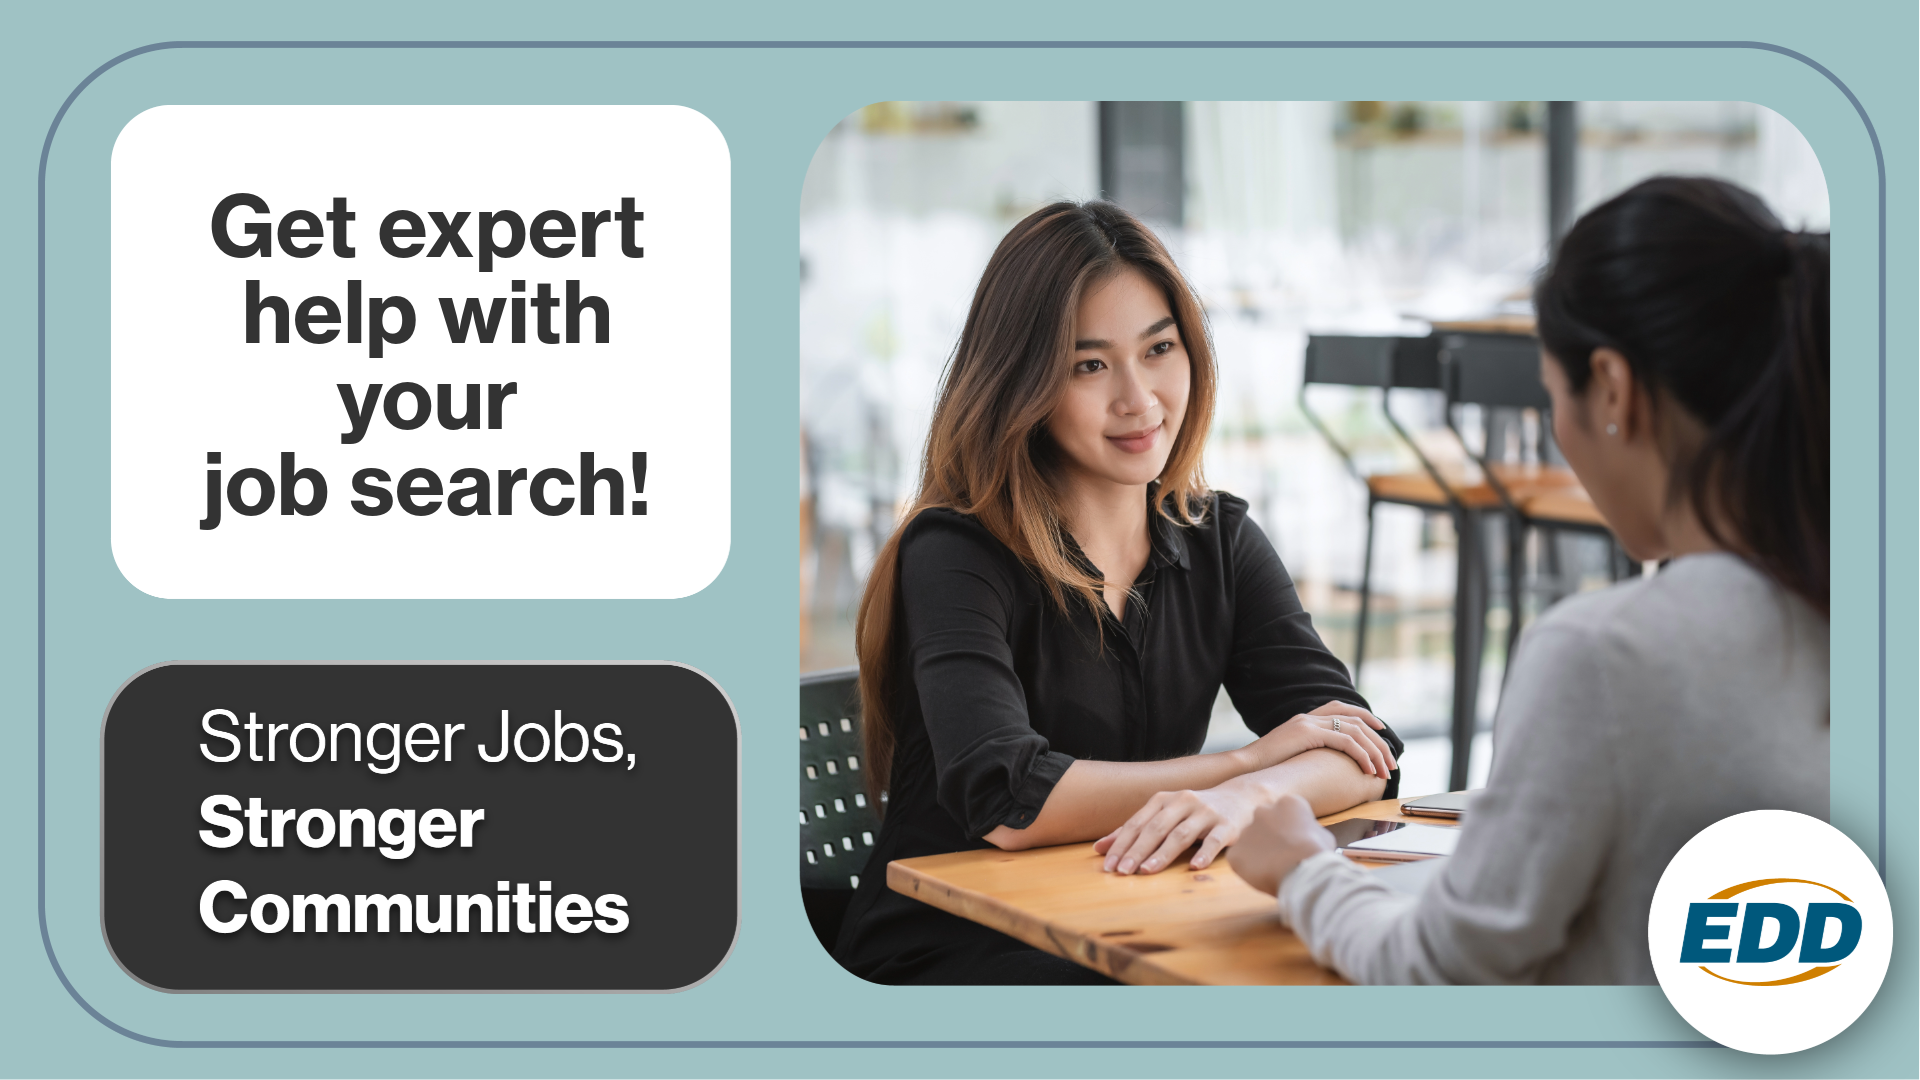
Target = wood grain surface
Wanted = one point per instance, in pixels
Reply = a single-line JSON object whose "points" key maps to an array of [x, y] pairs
{"points": [[1565, 504], [1524, 483], [1498, 324], [1177, 927]]}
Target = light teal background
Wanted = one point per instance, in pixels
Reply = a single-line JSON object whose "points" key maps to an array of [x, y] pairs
{"points": [[773, 105]]}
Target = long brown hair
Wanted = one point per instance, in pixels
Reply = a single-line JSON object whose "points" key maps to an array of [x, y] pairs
{"points": [[988, 453], [1719, 308]]}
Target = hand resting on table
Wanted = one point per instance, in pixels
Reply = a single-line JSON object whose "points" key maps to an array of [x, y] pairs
{"points": [[1173, 820]]}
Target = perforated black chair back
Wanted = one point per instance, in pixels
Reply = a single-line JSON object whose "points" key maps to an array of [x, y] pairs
{"points": [[837, 822]]}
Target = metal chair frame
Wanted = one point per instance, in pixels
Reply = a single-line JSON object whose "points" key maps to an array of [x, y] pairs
{"points": [[1516, 387], [1451, 363], [1504, 386], [1394, 363], [1501, 371]]}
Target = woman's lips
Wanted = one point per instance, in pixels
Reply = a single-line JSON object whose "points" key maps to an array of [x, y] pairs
{"points": [[1138, 442]]}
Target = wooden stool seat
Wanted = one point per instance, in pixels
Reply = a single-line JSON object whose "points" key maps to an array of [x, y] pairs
{"points": [[1524, 483], [1569, 506], [1521, 325], [1418, 489]]}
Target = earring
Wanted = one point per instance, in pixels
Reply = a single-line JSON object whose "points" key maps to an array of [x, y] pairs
{"points": [[1613, 429]]}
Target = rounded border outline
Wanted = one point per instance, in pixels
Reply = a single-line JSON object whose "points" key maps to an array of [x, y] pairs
{"points": [[41, 522]]}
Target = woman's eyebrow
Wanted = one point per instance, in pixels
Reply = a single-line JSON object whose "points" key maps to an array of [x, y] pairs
{"points": [[1103, 343], [1156, 328]]}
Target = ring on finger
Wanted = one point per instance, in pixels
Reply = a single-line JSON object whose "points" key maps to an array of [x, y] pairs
{"points": [[1336, 724]]}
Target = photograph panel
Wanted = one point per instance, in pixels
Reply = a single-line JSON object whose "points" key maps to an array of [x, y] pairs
{"points": [[1364, 376]]}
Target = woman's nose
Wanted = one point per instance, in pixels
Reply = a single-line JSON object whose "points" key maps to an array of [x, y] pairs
{"points": [[1131, 396]]}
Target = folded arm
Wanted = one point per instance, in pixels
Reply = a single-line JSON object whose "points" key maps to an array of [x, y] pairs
{"points": [[1333, 757], [1094, 798], [1172, 821]]}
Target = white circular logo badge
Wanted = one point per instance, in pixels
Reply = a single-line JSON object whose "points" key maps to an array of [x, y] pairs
{"points": [[1770, 932]]}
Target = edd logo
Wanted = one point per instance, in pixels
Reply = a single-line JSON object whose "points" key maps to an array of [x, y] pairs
{"points": [[1826, 932], [1771, 965]]}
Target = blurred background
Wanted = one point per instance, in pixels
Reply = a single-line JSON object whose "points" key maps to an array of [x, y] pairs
{"points": [[1289, 218]]}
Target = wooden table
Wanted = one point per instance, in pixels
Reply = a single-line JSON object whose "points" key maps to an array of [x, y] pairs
{"points": [[1176, 927]]}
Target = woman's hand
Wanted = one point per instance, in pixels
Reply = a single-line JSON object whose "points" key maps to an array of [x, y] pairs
{"points": [[1172, 820], [1349, 729], [1280, 837]]}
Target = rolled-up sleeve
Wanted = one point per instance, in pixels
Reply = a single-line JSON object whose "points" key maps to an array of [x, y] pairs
{"points": [[957, 595]]}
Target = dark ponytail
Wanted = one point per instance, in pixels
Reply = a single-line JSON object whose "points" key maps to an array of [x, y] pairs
{"points": [[1720, 310]]}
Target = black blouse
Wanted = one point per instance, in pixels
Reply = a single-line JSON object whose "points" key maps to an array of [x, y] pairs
{"points": [[1002, 690]]}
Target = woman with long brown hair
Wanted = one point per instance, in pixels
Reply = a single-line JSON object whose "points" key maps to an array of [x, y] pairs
{"points": [[1042, 639]]}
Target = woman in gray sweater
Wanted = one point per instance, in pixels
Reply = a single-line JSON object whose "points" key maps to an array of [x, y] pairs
{"points": [[1685, 348]]}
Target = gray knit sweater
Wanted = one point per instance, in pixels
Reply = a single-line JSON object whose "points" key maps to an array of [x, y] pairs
{"points": [[1632, 719]]}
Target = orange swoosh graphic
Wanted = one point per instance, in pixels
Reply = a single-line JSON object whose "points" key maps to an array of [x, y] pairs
{"points": [[1738, 889], [1811, 973]]}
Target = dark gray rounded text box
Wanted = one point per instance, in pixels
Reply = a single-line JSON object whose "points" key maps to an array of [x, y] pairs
{"points": [[245, 807]]}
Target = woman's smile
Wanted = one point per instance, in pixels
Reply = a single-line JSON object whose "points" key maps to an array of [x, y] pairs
{"points": [[1138, 442]]}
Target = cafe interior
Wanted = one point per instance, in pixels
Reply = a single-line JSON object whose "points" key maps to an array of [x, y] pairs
{"points": [[1365, 269]]}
